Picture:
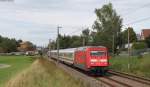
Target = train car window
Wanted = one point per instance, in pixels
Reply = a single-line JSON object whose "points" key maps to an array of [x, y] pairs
{"points": [[70, 55], [97, 53], [81, 49]]}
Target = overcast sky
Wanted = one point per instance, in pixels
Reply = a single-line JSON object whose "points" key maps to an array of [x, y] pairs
{"points": [[37, 20]]}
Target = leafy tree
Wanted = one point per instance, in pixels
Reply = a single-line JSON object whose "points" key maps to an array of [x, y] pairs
{"points": [[30, 46], [107, 25], [1, 38], [26, 46], [7, 45], [18, 42], [85, 36], [139, 45], [53, 45], [147, 40], [132, 35], [64, 41], [76, 41], [68, 42]]}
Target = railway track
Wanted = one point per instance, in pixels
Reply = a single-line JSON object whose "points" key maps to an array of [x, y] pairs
{"points": [[114, 79], [130, 80], [113, 83], [119, 79], [139, 79]]}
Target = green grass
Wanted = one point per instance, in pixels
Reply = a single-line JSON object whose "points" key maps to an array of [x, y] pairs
{"points": [[17, 64], [44, 73], [133, 65]]}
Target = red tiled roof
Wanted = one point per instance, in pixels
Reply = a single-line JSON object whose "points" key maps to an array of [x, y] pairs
{"points": [[146, 32]]}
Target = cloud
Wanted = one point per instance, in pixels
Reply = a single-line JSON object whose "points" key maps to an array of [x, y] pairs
{"points": [[37, 20]]}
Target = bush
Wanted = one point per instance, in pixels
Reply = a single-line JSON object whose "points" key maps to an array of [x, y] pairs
{"points": [[148, 41], [139, 45], [138, 66]]}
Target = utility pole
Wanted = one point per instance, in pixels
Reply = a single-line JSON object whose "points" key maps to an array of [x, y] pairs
{"points": [[50, 48], [129, 41], [83, 41], [113, 44], [129, 47], [58, 27]]}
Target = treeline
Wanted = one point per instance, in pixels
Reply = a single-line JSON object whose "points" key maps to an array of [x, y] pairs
{"points": [[12, 45], [8, 45], [91, 38], [67, 41], [106, 31]]}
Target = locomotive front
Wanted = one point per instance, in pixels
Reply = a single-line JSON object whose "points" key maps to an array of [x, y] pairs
{"points": [[97, 59]]}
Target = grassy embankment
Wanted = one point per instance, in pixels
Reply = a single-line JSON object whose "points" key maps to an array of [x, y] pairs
{"points": [[139, 66], [17, 64], [43, 73]]}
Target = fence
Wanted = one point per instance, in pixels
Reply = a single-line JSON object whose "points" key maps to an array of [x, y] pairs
{"points": [[135, 52]]}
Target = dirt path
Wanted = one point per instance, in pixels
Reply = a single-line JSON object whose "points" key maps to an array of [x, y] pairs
{"points": [[4, 66]]}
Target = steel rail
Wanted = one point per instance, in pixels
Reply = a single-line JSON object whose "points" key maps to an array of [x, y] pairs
{"points": [[132, 77], [108, 83]]}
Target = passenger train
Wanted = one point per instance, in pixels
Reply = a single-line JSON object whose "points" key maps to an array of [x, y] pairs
{"points": [[94, 59]]}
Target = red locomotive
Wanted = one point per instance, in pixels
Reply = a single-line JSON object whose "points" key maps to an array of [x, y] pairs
{"points": [[90, 58]]}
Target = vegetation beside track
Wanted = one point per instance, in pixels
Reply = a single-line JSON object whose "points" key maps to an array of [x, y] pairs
{"points": [[43, 73], [133, 65], [17, 64]]}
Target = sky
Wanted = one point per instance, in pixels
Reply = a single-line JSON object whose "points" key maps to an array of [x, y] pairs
{"points": [[37, 20]]}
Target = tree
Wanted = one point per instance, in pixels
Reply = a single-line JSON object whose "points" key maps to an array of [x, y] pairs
{"points": [[27, 46], [30, 46], [68, 42], [1, 38], [147, 40], [7, 45], [139, 45], [18, 42], [85, 36], [52, 45], [64, 41], [132, 35], [107, 25], [76, 41]]}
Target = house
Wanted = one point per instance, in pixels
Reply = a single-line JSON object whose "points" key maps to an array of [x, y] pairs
{"points": [[145, 33], [128, 45], [26, 46], [138, 36]]}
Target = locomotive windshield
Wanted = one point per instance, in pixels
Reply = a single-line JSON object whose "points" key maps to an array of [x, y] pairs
{"points": [[97, 53]]}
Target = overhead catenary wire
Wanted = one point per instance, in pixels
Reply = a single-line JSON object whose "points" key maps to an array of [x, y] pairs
{"points": [[128, 13], [135, 10], [127, 24], [137, 21], [78, 30]]}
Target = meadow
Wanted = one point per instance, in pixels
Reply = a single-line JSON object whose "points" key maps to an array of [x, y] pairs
{"points": [[133, 64], [43, 73], [26, 71], [17, 64]]}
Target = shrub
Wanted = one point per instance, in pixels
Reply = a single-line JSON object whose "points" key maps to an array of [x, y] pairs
{"points": [[148, 41], [139, 45]]}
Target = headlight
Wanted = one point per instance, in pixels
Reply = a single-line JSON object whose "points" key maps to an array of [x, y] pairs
{"points": [[103, 60], [93, 60]]}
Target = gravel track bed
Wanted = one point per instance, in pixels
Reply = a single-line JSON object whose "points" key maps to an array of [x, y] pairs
{"points": [[129, 79], [107, 81], [88, 80]]}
